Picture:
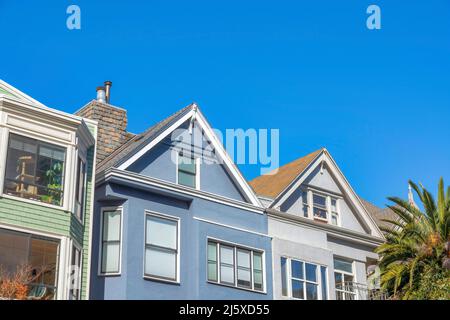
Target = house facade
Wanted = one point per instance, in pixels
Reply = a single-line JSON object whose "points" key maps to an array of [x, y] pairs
{"points": [[173, 216], [323, 237], [47, 171]]}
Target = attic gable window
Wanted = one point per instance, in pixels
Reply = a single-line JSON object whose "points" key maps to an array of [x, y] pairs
{"points": [[320, 207], [187, 171]]}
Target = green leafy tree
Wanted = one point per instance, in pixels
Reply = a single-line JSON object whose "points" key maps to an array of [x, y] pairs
{"points": [[417, 247]]}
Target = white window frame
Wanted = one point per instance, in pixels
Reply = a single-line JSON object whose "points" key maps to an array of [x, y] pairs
{"points": [[342, 272], [197, 169], [66, 191], [178, 251], [80, 206], [237, 247], [319, 283], [100, 255], [310, 192], [79, 248]]}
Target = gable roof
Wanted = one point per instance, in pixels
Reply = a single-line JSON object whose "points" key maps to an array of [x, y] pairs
{"points": [[273, 183], [380, 213], [293, 174], [140, 144]]}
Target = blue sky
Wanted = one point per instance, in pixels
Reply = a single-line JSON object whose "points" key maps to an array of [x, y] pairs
{"points": [[378, 100]]}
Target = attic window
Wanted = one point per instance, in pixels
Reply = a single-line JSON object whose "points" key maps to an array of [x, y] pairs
{"points": [[187, 171], [320, 207]]}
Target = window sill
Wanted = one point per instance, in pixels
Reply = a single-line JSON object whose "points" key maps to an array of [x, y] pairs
{"points": [[109, 275], [38, 203], [235, 287], [167, 281]]}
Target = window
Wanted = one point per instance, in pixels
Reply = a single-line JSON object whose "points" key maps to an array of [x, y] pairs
{"points": [[334, 212], [38, 255], [187, 171], [161, 247], [320, 207], [305, 206], [235, 266], [344, 280], [111, 241], [75, 274], [80, 189], [302, 280], [35, 170]]}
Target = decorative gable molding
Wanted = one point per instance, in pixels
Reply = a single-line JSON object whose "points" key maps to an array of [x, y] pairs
{"points": [[324, 157], [194, 114]]}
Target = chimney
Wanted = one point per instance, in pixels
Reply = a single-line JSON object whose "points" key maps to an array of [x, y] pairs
{"points": [[108, 85], [112, 122]]}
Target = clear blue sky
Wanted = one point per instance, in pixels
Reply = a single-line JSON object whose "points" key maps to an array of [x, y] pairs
{"points": [[378, 100]]}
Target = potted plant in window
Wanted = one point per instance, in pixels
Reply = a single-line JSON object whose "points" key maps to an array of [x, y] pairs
{"points": [[54, 184]]}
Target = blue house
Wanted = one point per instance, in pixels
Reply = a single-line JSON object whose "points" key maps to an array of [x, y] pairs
{"points": [[173, 216]]}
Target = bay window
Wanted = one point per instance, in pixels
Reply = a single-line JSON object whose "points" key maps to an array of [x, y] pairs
{"points": [[161, 247], [111, 241], [303, 280], [235, 266], [34, 170]]}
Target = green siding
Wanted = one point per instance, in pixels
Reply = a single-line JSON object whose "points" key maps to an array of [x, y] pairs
{"points": [[35, 216]]}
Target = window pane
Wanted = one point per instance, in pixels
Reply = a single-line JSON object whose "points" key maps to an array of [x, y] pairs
{"points": [[226, 255], [319, 200], [186, 179], [304, 197], [111, 225], [311, 291], [258, 280], [334, 219], [161, 232], [110, 257], [343, 265], [323, 279], [212, 251], [227, 274], [187, 165], [333, 205], [305, 211], [297, 269], [160, 263], [298, 289], [320, 213], [243, 258], [311, 272], [257, 261], [243, 276], [212, 271], [284, 289]]}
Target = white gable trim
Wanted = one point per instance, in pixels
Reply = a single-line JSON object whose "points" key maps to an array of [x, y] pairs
{"points": [[19, 94], [218, 147], [325, 156]]}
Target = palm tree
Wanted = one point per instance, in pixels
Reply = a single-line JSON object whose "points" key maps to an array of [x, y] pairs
{"points": [[416, 243]]}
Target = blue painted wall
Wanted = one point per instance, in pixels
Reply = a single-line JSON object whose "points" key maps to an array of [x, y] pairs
{"points": [[193, 233]]}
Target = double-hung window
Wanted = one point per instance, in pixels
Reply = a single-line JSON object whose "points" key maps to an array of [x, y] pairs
{"points": [[80, 188], [235, 266], [320, 207], [111, 241], [344, 279], [303, 280], [161, 247], [35, 170], [187, 171], [334, 212]]}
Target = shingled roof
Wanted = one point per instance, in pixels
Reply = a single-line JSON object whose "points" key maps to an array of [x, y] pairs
{"points": [[134, 144], [273, 183], [379, 213]]}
